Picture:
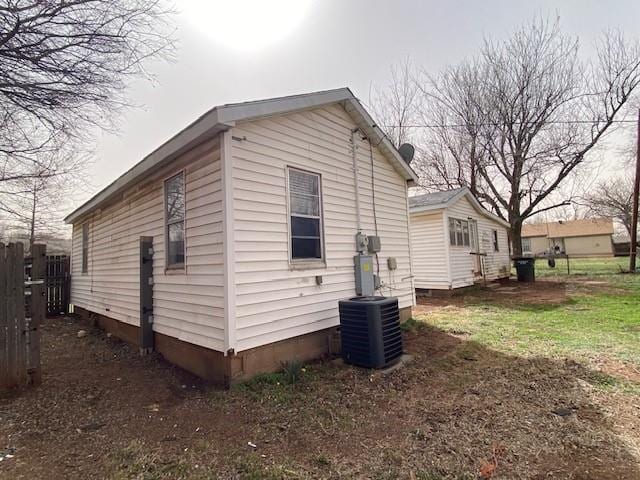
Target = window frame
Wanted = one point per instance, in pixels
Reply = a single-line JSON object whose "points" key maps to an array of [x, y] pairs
{"points": [[453, 240], [522, 244], [304, 263], [496, 244], [85, 249], [175, 266]]}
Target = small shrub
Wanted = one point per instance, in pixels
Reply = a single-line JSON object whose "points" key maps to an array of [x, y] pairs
{"points": [[411, 325], [292, 371]]}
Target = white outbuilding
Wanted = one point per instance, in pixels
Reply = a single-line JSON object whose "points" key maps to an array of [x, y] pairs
{"points": [[455, 242], [228, 248]]}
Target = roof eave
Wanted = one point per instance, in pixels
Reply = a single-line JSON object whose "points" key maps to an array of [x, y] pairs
{"points": [[206, 127], [224, 117]]}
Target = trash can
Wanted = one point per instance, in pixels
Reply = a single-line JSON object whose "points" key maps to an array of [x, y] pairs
{"points": [[526, 268]]}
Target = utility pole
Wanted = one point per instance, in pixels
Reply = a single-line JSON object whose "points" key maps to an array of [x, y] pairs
{"points": [[634, 217]]}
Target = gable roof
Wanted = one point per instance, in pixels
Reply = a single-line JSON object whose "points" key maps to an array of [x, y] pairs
{"points": [[224, 117], [446, 198], [569, 228]]}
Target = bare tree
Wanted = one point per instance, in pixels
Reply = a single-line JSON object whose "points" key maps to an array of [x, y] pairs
{"points": [[64, 68], [612, 199], [517, 121], [397, 106]]}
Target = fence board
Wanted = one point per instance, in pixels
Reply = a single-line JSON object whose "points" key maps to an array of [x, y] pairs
{"points": [[21, 313], [12, 365], [21, 326], [58, 284], [4, 354], [37, 311]]}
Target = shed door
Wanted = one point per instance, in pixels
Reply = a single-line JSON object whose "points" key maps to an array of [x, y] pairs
{"points": [[475, 248]]}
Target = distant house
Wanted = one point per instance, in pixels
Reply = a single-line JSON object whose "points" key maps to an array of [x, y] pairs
{"points": [[455, 241], [622, 245], [591, 237], [235, 239]]}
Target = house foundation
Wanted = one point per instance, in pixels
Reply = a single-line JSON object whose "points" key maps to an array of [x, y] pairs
{"points": [[226, 370]]}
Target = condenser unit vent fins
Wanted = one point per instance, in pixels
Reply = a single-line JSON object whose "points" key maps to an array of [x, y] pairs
{"points": [[370, 331]]}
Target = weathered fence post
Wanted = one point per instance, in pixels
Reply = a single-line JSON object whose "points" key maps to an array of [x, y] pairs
{"points": [[19, 335], [4, 324], [37, 310]]}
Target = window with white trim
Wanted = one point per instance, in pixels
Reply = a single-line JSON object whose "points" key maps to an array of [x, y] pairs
{"points": [[459, 233], [496, 245], [526, 245], [174, 217], [85, 247], [305, 215]]}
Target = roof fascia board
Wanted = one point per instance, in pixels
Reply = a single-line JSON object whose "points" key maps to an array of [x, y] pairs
{"points": [[428, 208], [474, 202], [280, 106], [224, 117], [484, 211], [372, 130], [200, 131]]}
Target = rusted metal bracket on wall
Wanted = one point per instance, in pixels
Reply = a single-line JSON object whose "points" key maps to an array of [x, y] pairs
{"points": [[146, 295]]}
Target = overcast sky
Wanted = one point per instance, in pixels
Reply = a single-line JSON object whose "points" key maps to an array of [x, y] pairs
{"points": [[234, 51]]}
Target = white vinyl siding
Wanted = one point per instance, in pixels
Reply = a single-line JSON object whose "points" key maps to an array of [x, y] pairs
{"points": [[275, 301], [439, 263], [429, 240], [496, 264], [188, 305]]}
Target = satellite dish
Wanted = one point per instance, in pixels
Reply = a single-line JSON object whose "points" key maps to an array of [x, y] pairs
{"points": [[407, 151]]}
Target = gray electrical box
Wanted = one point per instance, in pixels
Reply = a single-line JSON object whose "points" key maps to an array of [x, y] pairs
{"points": [[374, 244], [361, 242], [392, 263], [364, 275]]}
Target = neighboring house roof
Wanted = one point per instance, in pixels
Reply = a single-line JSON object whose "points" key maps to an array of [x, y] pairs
{"points": [[621, 238], [570, 228], [224, 117], [446, 198]]}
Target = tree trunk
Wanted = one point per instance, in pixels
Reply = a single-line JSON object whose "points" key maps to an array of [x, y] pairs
{"points": [[516, 237]]}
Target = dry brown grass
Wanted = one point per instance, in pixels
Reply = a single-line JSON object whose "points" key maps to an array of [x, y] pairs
{"points": [[104, 412]]}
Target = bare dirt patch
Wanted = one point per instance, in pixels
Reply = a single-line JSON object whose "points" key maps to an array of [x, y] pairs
{"points": [[105, 412], [508, 292]]}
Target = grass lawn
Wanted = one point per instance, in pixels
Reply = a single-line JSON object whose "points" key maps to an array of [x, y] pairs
{"points": [[595, 314], [583, 266], [523, 381]]}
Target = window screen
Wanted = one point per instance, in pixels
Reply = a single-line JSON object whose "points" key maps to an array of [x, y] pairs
{"points": [[85, 247], [174, 205], [306, 215], [459, 234]]}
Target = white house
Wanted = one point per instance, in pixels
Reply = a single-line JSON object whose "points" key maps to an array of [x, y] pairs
{"points": [[251, 214], [455, 242]]}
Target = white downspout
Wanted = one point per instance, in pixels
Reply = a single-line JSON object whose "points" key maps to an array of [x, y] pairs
{"points": [[356, 185]]}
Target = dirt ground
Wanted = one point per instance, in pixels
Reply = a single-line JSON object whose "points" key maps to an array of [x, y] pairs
{"points": [[456, 410]]}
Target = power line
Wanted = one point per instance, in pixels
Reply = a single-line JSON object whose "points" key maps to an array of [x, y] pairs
{"points": [[462, 125]]}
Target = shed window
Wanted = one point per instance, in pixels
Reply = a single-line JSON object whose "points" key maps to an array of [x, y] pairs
{"points": [[305, 212], [85, 247], [526, 245], [459, 232], [174, 214], [496, 246]]}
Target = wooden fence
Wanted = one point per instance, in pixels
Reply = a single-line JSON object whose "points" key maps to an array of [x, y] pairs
{"points": [[22, 310], [58, 284]]}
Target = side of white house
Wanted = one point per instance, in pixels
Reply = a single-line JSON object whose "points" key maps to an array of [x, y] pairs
{"points": [[495, 262], [187, 303], [274, 299], [429, 250]]}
